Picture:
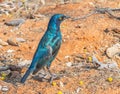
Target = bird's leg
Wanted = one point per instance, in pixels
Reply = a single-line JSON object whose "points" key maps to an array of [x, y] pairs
{"points": [[46, 73], [53, 76]]}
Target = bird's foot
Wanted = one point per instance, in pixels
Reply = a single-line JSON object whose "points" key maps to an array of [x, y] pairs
{"points": [[42, 75], [53, 76]]}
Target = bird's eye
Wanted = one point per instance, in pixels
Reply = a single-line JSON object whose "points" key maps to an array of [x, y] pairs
{"points": [[61, 18]]}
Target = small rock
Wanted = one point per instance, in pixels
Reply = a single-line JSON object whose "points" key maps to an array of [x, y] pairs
{"points": [[12, 41], [0, 87], [69, 64], [101, 0], [4, 68], [10, 51], [43, 2], [111, 51], [0, 46], [106, 30], [3, 43], [78, 90], [20, 39], [112, 64], [92, 4], [78, 26], [15, 22], [61, 84], [24, 63], [67, 56], [117, 59], [4, 88]]}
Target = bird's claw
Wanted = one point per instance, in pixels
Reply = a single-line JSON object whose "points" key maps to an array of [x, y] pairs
{"points": [[43, 75], [53, 76]]}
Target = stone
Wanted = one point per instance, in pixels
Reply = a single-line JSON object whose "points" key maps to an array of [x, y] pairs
{"points": [[3, 43], [24, 63], [12, 41], [69, 64], [111, 51], [15, 22], [20, 40], [4, 88]]}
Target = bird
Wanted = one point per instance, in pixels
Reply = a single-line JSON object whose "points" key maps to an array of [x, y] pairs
{"points": [[48, 47]]}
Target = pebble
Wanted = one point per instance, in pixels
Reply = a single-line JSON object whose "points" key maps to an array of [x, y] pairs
{"points": [[67, 56], [1, 46], [61, 84], [0, 87], [15, 22], [24, 63], [69, 64], [12, 41], [10, 51], [78, 90], [43, 2], [3, 43], [111, 51], [4, 88], [20, 39]]}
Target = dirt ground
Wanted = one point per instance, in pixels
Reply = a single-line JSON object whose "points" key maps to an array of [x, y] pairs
{"points": [[83, 37]]}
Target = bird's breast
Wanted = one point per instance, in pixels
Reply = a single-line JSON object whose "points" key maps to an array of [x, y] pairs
{"points": [[52, 40]]}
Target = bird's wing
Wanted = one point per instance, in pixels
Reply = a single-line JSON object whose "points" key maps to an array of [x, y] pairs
{"points": [[55, 50], [56, 45], [40, 54]]}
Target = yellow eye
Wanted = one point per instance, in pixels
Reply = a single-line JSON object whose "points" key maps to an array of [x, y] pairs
{"points": [[61, 18]]}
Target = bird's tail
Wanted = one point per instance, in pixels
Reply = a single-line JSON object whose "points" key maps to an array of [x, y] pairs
{"points": [[25, 76]]}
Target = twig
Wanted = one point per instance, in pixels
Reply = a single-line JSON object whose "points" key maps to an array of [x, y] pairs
{"points": [[58, 59], [85, 16], [102, 65], [4, 68], [115, 9], [110, 14], [10, 67], [89, 14], [102, 11]]}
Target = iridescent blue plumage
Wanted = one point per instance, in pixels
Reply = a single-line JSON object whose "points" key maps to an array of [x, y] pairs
{"points": [[48, 46]]}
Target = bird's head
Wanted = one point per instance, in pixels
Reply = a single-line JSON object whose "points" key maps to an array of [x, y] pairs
{"points": [[56, 20]]}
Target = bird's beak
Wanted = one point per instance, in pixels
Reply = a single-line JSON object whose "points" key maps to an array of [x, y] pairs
{"points": [[66, 17]]}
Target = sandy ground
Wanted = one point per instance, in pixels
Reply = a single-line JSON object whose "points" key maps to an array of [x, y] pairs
{"points": [[83, 37]]}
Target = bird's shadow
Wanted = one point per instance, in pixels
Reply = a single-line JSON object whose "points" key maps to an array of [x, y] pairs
{"points": [[89, 67], [41, 78]]}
